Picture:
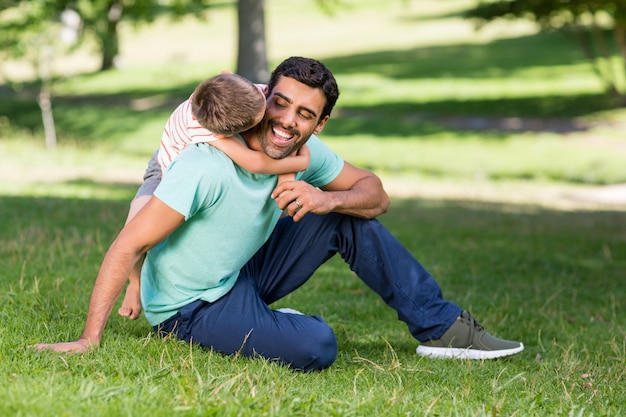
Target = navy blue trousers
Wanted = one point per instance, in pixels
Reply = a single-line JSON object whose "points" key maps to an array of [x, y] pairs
{"points": [[242, 323]]}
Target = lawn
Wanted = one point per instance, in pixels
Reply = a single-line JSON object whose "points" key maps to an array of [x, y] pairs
{"points": [[492, 121], [550, 278]]}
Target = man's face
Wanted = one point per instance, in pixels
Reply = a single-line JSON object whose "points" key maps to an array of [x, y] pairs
{"points": [[292, 116]]}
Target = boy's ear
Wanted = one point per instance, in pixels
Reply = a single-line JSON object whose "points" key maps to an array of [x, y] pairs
{"points": [[320, 125]]}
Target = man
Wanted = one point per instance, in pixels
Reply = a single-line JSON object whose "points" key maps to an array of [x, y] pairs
{"points": [[219, 298]]}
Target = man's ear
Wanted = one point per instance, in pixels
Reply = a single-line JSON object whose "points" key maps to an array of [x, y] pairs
{"points": [[320, 125]]}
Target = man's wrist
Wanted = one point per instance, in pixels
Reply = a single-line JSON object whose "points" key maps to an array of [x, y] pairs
{"points": [[89, 342]]}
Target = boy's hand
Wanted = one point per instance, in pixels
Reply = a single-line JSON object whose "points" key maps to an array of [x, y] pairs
{"points": [[304, 152]]}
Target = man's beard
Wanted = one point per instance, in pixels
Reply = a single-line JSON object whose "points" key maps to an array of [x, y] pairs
{"points": [[272, 150]]}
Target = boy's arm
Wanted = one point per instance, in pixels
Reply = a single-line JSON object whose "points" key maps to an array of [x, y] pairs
{"points": [[258, 162], [151, 225]]}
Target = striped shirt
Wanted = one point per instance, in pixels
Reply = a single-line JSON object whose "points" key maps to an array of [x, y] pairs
{"points": [[181, 129]]}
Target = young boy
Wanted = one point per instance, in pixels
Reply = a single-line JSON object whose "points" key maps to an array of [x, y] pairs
{"points": [[219, 108]]}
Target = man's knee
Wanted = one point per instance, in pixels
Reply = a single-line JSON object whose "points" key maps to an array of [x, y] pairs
{"points": [[316, 352]]}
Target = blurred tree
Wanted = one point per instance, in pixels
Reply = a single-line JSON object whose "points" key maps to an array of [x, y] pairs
{"points": [[34, 31], [24, 24], [251, 48], [28, 33], [588, 21], [101, 18], [21, 19]]}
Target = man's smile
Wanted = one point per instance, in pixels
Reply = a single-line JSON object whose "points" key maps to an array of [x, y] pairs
{"points": [[281, 137]]}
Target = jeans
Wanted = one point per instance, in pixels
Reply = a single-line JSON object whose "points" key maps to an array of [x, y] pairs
{"points": [[152, 176], [242, 323]]}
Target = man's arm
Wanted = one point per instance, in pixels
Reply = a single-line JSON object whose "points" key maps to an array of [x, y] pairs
{"points": [[150, 226], [355, 191]]}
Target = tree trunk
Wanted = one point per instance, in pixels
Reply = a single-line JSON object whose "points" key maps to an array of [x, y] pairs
{"points": [[45, 104], [620, 39], [44, 98], [252, 54], [609, 83], [109, 38]]}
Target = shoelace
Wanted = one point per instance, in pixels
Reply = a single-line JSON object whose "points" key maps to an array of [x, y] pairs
{"points": [[473, 325]]}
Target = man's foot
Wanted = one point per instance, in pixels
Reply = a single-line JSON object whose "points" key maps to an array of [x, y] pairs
{"points": [[467, 339], [131, 306]]}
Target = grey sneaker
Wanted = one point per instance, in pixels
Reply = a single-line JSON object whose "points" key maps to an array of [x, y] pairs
{"points": [[467, 339]]}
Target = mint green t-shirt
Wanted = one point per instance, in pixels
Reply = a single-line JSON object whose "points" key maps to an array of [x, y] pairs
{"points": [[229, 215]]}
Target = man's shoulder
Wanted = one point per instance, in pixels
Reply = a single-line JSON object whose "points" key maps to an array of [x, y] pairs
{"points": [[324, 166], [197, 175], [201, 157], [316, 144], [202, 150]]}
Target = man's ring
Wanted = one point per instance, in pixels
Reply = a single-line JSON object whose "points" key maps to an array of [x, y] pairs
{"points": [[298, 204]]}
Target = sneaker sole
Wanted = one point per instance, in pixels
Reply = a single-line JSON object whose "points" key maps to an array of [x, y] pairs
{"points": [[288, 310], [457, 353]]}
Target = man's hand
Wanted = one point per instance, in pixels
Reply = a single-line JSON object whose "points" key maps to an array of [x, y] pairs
{"points": [[79, 346], [354, 191], [300, 198], [154, 222]]}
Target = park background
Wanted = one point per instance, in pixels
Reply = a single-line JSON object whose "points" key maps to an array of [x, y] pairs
{"points": [[504, 159]]}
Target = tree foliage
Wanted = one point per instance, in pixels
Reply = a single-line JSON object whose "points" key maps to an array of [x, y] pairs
{"points": [[599, 27], [102, 17], [22, 23], [34, 31], [22, 19], [27, 32]]}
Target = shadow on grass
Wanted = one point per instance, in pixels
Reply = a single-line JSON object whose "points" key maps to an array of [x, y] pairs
{"points": [[495, 119], [124, 190], [499, 58]]}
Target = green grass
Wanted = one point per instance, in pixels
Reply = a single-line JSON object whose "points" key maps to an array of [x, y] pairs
{"points": [[407, 71], [549, 278]]}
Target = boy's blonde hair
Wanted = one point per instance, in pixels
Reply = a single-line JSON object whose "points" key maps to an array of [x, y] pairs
{"points": [[227, 104]]}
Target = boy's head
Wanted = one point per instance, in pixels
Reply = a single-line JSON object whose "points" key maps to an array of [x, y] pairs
{"points": [[227, 104], [312, 73]]}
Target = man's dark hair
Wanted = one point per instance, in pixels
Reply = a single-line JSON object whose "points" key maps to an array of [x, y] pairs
{"points": [[312, 73]]}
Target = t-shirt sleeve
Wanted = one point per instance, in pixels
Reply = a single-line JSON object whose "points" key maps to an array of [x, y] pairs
{"points": [[324, 166], [184, 187]]}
